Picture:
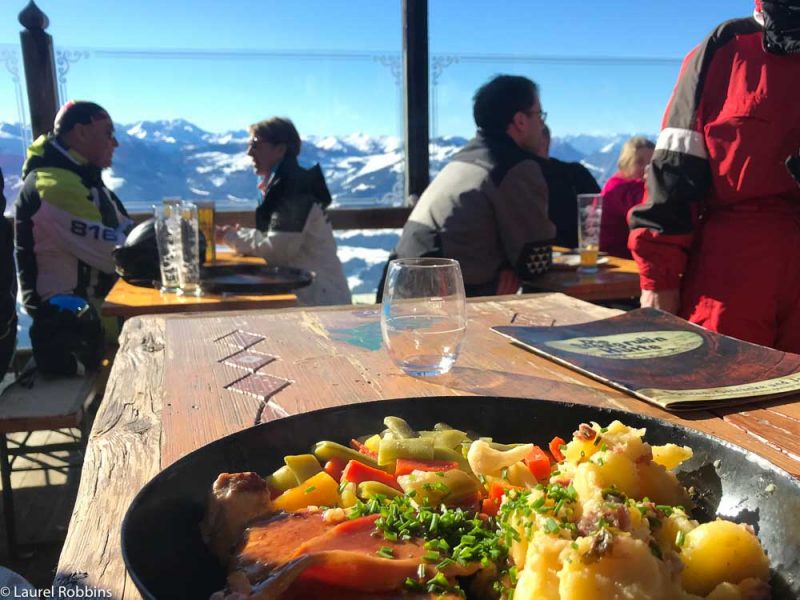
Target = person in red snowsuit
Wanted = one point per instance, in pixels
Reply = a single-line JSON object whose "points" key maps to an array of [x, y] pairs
{"points": [[717, 239]]}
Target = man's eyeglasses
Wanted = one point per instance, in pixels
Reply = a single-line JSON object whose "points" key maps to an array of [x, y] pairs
{"points": [[252, 143], [542, 114]]}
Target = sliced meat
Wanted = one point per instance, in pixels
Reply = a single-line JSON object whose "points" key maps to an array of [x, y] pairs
{"points": [[235, 499], [349, 559], [268, 544], [290, 554]]}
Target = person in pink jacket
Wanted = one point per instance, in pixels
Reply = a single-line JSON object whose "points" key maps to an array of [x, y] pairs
{"points": [[623, 191]]}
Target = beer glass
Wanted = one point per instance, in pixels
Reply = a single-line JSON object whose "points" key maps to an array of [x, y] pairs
{"points": [[189, 271], [206, 219], [168, 240], [424, 314], [589, 213]]}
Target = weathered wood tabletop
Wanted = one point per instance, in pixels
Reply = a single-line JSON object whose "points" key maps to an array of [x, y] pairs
{"points": [[126, 300], [170, 392]]}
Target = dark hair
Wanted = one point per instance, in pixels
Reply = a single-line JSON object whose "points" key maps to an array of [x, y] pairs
{"points": [[496, 102], [77, 111], [278, 130]]}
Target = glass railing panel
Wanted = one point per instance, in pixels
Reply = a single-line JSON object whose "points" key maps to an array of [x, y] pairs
{"points": [[586, 100], [184, 135], [15, 135], [15, 132]]}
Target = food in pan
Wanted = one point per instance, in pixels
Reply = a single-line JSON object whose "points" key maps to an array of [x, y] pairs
{"points": [[447, 514]]}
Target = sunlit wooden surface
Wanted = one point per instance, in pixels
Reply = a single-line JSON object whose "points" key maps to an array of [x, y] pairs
{"points": [[126, 300], [167, 396], [618, 279]]}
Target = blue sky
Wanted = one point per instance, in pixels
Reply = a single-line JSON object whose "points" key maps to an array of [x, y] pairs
{"points": [[328, 64]]}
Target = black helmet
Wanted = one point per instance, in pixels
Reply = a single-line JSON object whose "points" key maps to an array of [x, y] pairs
{"points": [[137, 259], [67, 336]]}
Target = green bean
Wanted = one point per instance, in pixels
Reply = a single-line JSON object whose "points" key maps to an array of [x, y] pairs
{"points": [[440, 453], [400, 428], [371, 488], [461, 484], [325, 451], [304, 466], [282, 479], [416, 448], [449, 438]]}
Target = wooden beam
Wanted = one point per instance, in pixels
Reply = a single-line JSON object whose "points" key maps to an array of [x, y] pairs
{"points": [[40, 68], [415, 76], [341, 218]]}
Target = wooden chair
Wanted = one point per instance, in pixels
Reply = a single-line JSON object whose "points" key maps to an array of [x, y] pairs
{"points": [[50, 403]]}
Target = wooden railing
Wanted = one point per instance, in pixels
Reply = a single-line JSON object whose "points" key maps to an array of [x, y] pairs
{"points": [[341, 218]]}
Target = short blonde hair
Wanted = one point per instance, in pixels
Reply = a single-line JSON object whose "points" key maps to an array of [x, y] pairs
{"points": [[626, 162]]}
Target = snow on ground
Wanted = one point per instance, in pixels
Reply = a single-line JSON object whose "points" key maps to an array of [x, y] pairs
{"points": [[371, 256]]}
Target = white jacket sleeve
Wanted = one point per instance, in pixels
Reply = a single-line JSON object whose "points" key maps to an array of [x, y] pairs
{"points": [[279, 247]]}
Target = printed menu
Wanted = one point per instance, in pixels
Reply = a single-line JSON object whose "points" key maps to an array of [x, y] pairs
{"points": [[665, 360]]}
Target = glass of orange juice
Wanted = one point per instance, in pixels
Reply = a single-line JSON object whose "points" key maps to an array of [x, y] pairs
{"points": [[590, 207]]}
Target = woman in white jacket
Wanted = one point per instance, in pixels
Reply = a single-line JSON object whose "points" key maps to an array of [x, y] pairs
{"points": [[292, 228]]}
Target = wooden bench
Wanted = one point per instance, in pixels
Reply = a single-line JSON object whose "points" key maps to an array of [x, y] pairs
{"points": [[50, 403]]}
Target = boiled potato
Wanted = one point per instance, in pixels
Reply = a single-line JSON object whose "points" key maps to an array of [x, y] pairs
{"points": [[580, 450], [620, 471], [539, 579], [660, 485], [671, 455], [721, 551], [628, 571]]}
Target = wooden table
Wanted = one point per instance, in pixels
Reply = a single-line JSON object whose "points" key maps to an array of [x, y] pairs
{"points": [[618, 279], [126, 300], [166, 397]]}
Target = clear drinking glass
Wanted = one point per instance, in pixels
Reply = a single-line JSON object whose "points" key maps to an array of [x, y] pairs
{"points": [[424, 314], [590, 210], [170, 249], [189, 272]]}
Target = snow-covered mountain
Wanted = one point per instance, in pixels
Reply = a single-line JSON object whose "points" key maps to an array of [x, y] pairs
{"points": [[164, 158]]}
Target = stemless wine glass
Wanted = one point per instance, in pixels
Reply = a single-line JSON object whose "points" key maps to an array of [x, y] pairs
{"points": [[424, 314]]}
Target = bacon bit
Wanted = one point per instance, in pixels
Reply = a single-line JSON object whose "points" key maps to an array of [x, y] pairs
{"points": [[601, 543], [585, 432], [356, 445]]}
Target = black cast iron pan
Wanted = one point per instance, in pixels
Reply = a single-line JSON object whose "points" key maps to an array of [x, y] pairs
{"points": [[166, 558]]}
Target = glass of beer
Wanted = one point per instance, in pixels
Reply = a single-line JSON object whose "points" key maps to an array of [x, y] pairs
{"points": [[206, 218], [590, 207]]}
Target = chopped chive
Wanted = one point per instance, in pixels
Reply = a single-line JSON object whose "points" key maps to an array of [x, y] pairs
{"points": [[680, 539], [310, 489]]}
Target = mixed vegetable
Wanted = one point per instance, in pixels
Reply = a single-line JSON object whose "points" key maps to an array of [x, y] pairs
{"points": [[600, 516]]}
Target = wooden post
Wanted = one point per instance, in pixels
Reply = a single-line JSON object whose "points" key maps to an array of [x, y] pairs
{"points": [[40, 68], [415, 76]]}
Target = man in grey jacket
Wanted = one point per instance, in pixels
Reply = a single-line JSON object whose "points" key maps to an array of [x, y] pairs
{"points": [[488, 207]]}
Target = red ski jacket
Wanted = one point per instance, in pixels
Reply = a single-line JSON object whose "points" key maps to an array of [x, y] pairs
{"points": [[732, 121]]}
